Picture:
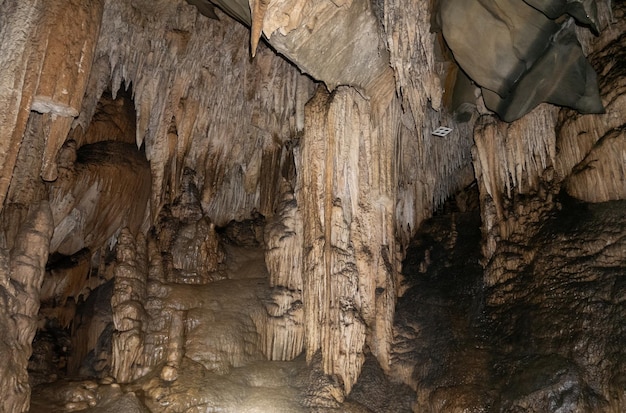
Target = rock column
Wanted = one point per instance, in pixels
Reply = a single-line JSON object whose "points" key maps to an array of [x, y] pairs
{"points": [[21, 275], [346, 192]]}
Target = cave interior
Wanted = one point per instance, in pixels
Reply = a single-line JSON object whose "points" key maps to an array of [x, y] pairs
{"points": [[313, 206]]}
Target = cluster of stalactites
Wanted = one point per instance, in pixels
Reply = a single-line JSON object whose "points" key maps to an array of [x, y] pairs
{"points": [[554, 149]]}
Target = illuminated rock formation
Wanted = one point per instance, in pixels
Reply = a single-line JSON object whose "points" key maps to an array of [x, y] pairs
{"points": [[209, 208]]}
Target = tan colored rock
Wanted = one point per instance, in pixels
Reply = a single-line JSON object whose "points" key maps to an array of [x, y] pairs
{"points": [[94, 198], [601, 176], [129, 317], [591, 149], [224, 127], [22, 274], [347, 198], [22, 63], [176, 347], [430, 168], [299, 30], [68, 31], [341, 185]]}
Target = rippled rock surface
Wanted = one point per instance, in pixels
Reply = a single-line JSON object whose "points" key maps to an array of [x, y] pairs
{"points": [[547, 336]]}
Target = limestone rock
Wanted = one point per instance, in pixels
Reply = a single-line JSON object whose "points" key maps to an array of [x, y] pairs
{"points": [[585, 11], [49, 50], [127, 301], [22, 273], [96, 200], [347, 197], [524, 58], [221, 241], [590, 150]]}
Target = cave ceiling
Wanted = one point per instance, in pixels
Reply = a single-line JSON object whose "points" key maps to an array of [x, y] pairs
{"points": [[519, 53]]}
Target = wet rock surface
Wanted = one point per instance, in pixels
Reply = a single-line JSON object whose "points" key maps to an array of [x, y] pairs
{"points": [[558, 325], [545, 337]]}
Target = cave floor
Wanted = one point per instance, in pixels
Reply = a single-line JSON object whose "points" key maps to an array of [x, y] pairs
{"points": [[222, 369], [549, 337]]}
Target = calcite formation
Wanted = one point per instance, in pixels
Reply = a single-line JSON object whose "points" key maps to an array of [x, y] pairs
{"points": [[209, 208]]}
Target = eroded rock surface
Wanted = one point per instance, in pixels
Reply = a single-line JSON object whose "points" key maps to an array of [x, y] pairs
{"points": [[212, 226], [200, 347], [544, 337]]}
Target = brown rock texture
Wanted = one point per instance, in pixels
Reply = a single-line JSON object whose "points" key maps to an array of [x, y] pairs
{"points": [[196, 215], [22, 274]]}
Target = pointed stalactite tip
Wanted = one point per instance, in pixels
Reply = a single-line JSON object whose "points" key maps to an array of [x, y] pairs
{"points": [[258, 8]]}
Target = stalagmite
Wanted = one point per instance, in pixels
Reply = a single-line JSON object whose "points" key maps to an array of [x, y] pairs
{"points": [[283, 336], [175, 348], [224, 211], [23, 270], [129, 294]]}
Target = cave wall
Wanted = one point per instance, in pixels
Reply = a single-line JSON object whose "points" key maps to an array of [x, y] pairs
{"points": [[553, 149], [205, 106]]}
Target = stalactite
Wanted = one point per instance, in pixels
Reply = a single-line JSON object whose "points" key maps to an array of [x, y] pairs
{"points": [[511, 159], [601, 176], [548, 147], [114, 119], [281, 327], [195, 73], [65, 280], [430, 168], [91, 331]]}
